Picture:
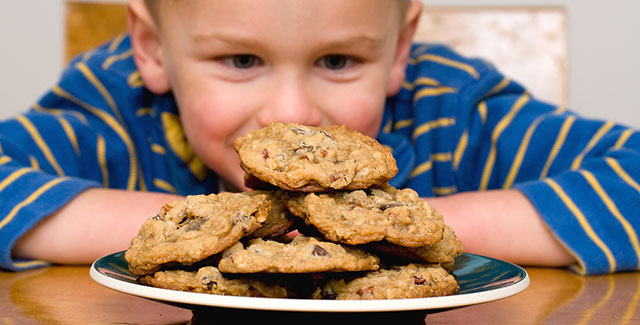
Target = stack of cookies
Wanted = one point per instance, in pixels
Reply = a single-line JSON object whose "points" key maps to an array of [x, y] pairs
{"points": [[322, 222]]}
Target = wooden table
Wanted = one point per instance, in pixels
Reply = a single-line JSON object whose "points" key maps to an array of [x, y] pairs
{"points": [[67, 295]]}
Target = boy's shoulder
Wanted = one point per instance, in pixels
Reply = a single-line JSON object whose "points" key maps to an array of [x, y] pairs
{"points": [[111, 60], [437, 69], [439, 64]]}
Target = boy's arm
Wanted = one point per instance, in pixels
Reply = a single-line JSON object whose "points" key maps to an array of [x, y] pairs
{"points": [[555, 187], [95, 223], [502, 224], [96, 128], [532, 177]]}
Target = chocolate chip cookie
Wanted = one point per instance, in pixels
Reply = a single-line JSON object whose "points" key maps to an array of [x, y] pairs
{"points": [[302, 255], [444, 251], [409, 281], [208, 279], [357, 217], [279, 221], [187, 231], [295, 157]]}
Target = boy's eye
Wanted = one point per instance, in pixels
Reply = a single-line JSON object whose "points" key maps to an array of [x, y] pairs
{"points": [[241, 61], [334, 61]]}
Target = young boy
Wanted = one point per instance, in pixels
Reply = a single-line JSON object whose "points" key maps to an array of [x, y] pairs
{"points": [[151, 116]]}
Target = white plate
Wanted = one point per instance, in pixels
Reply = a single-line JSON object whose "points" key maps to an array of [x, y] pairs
{"points": [[481, 279]]}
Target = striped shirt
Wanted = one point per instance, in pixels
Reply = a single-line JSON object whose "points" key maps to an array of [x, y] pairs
{"points": [[457, 125]]}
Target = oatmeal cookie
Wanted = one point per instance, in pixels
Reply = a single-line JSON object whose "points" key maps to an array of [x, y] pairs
{"points": [[295, 157], [410, 281], [302, 255], [279, 221], [358, 217], [208, 279], [187, 231], [444, 251]]}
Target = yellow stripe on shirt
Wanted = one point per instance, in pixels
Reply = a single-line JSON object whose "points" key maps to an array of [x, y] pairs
{"points": [[460, 148], [71, 134], [42, 145], [111, 122], [101, 155], [422, 168], [482, 111], [448, 62], [430, 125], [34, 162], [594, 140], [403, 124], [116, 42], [626, 134], [428, 92], [158, 149], [499, 86], [613, 209], [4, 159], [441, 156], [388, 127], [162, 184], [522, 149], [622, 173], [13, 176], [115, 58], [425, 81], [584, 223], [142, 111], [421, 81], [557, 145], [445, 190], [89, 75], [32, 197], [59, 111], [135, 80], [29, 264], [497, 131]]}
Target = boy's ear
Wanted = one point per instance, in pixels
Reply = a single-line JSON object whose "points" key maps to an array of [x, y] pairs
{"points": [[147, 47], [403, 48]]}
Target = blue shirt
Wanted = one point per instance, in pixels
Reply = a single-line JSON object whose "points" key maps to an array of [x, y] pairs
{"points": [[457, 125]]}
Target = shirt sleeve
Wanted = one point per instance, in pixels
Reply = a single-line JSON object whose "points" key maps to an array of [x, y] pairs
{"points": [[40, 171], [580, 174], [72, 139]]}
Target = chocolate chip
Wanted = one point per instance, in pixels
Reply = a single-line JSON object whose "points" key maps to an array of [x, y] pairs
{"points": [[298, 130], [239, 218], [389, 205], [319, 251], [327, 134], [419, 280], [368, 290]]}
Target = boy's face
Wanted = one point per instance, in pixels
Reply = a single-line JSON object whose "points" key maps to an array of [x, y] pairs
{"points": [[236, 65]]}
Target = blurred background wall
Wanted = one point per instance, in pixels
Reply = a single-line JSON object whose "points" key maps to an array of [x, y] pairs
{"points": [[603, 52]]}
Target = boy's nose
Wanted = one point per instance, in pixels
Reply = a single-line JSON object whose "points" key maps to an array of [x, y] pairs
{"points": [[290, 102]]}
